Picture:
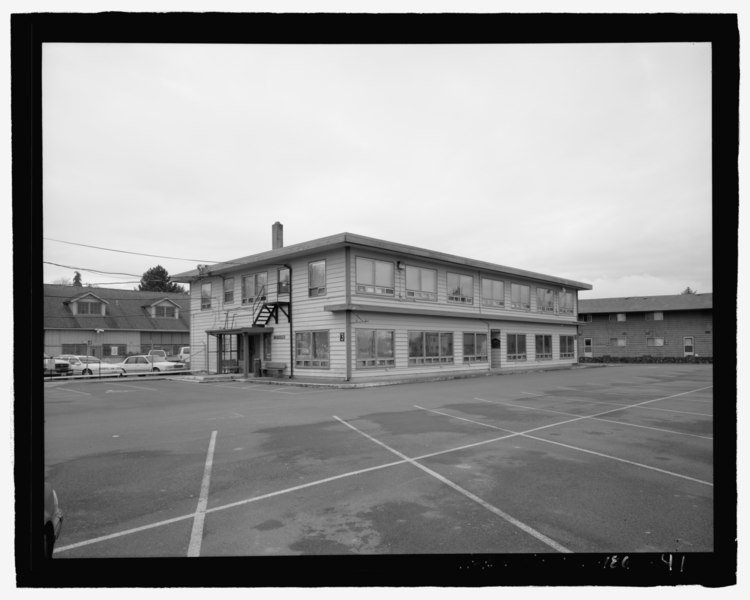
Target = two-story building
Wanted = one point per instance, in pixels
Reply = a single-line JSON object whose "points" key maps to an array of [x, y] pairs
{"points": [[347, 307], [675, 326], [112, 323]]}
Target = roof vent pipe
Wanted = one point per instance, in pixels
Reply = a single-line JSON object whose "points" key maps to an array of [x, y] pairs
{"points": [[277, 236]]}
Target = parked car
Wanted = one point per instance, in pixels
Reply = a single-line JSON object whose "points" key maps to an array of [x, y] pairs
{"points": [[53, 518], [90, 365], [55, 366], [143, 363], [158, 354], [184, 354]]}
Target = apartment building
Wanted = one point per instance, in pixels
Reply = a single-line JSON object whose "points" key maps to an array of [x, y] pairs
{"points": [[675, 326], [112, 323], [348, 307]]}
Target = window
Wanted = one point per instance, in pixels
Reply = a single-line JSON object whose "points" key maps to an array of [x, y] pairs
{"points": [[519, 296], [460, 288], [375, 348], [312, 349], [284, 284], [618, 342], [375, 277], [164, 310], [617, 317], [475, 347], [567, 346], [78, 349], [421, 284], [428, 347], [316, 279], [205, 296], [493, 293], [566, 300], [229, 290], [254, 287], [89, 307], [545, 300], [654, 341], [543, 347], [585, 318], [654, 316], [516, 346], [113, 349]]}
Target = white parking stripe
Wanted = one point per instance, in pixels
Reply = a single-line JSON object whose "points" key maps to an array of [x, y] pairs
{"points": [[512, 520], [136, 387], [196, 537], [558, 412], [525, 434], [65, 389]]}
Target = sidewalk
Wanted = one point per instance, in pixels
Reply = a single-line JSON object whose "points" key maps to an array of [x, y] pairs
{"points": [[319, 382]]}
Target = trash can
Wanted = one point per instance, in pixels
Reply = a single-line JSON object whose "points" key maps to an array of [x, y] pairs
{"points": [[256, 367]]}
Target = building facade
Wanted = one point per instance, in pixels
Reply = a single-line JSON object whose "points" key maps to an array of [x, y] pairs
{"points": [[348, 307], [111, 324], [662, 327]]}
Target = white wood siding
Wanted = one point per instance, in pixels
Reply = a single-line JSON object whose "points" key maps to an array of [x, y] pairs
{"points": [[442, 304], [531, 330]]}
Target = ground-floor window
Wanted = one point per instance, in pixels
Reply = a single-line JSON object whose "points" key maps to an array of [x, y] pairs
{"points": [[430, 347], [114, 350], [77, 349], [618, 342], [375, 348], [567, 346], [516, 346], [475, 347], [312, 349], [654, 341], [543, 347]]}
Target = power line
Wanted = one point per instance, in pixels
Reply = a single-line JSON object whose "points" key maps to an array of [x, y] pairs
{"points": [[91, 270], [141, 253]]}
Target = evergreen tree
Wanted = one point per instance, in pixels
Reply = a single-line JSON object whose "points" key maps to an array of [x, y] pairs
{"points": [[687, 290], [156, 279], [77, 279]]}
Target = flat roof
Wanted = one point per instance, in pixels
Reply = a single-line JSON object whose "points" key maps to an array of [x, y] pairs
{"points": [[341, 240]]}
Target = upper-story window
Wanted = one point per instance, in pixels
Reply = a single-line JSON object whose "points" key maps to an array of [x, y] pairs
{"points": [[421, 284], [89, 307], [284, 282], [654, 316], [566, 301], [206, 295], [545, 300], [254, 287], [585, 318], [375, 277], [167, 311], [460, 288], [316, 278], [493, 292], [617, 317], [229, 290], [520, 296]]}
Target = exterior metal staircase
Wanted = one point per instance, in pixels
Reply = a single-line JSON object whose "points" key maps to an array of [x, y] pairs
{"points": [[265, 311]]}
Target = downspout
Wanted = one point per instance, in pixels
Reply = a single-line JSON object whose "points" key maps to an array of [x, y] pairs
{"points": [[289, 318], [348, 313]]}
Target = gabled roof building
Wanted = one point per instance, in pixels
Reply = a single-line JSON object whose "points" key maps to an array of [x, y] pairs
{"points": [[661, 327], [349, 307], [111, 323]]}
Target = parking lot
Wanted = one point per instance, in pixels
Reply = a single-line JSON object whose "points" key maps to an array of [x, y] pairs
{"points": [[592, 460]]}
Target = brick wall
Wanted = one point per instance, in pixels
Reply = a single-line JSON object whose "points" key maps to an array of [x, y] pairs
{"points": [[636, 330]]}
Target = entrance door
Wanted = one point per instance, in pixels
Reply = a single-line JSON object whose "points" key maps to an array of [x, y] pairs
{"points": [[689, 348], [588, 351], [494, 349]]}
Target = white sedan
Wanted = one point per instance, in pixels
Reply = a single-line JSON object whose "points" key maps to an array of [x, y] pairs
{"points": [[147, 364], [90, 365]]}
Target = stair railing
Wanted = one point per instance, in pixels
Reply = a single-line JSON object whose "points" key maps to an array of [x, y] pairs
{"points": [[259, 299]]}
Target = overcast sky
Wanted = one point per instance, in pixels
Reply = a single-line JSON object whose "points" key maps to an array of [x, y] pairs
{"points": [[591, 162]]}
